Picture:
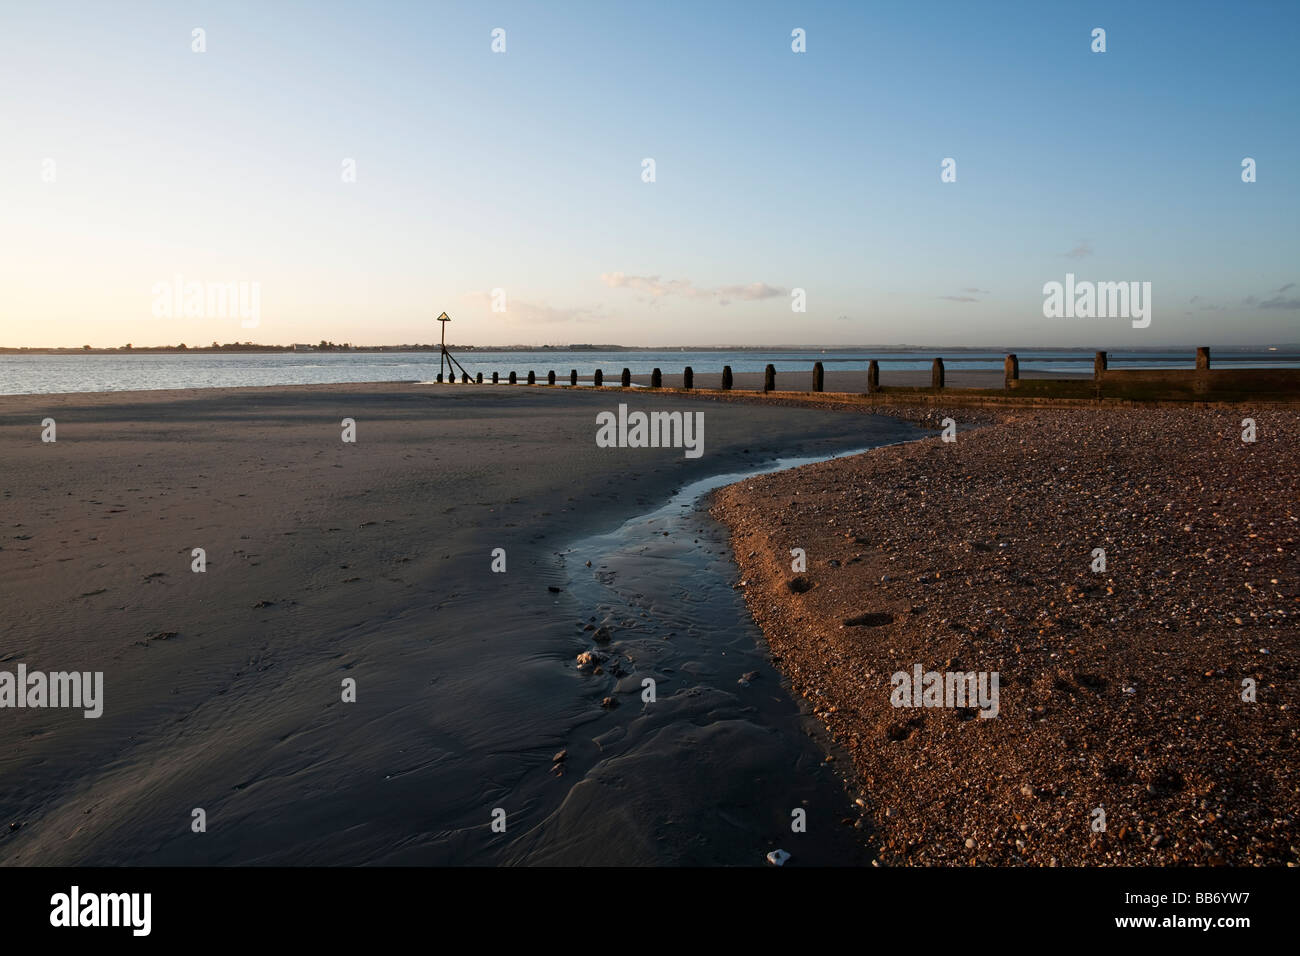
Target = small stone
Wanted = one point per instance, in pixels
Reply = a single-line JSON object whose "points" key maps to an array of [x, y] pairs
{"points": [[602, 635], [609, 703], [778, 857]]}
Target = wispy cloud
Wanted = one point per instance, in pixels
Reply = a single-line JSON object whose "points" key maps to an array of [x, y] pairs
{"points": [[1275, 300], [969, 295], [748, 293], [659, 288], [1280, 302], [1081, 251], [520, 312]]}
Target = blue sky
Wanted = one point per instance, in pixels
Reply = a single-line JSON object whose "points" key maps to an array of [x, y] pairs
{"points": [[521, 171]]}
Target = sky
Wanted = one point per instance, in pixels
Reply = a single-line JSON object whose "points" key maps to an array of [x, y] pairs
{"points": [[509, 189]]}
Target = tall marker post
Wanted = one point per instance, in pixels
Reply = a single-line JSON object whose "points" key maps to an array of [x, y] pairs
{"points": [[445, 358]]}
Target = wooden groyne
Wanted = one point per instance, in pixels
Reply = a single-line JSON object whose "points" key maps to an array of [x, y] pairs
{"points": [[1199, 382]]}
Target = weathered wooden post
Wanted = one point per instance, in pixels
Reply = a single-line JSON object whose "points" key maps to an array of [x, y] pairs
{"points": [[598, 379], [532, 377], [819, 376], [496, 378], [513, 379], [479, 379], [1099, 366], [769, 379], [550, 377], [726, 378], [936, 374], [1203, 359], [464, 378], [873, 377], [688, 378], [656, 379], [626, 380], [1011, 371], [573, 377]]}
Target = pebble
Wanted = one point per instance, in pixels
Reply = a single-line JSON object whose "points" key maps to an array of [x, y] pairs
{"points": [[1102, 672]]}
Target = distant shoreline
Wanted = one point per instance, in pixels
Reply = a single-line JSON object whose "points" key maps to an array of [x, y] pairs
{"points": [[1291, 350]]}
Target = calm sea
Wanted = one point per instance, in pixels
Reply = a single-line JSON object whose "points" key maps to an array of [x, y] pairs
{"points": [[36, 374]]}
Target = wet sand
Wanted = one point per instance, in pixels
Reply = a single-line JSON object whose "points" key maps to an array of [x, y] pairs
{"points": [[1121, 690], [371, 561]]}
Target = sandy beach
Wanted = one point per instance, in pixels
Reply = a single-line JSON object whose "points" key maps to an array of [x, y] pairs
{"points": [[372, 561], [1121, 690]]}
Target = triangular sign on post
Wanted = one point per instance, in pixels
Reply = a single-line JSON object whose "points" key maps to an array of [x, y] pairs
{"points": [[444, 317]]}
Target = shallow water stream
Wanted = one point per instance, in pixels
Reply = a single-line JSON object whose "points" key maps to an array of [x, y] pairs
{"points": [[715, 768]]}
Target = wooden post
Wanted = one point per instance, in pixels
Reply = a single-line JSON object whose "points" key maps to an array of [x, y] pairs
{"points": [[496, 378], [819, 376], [479, 379], [513, 379], [550, 377], [936, 374], [573, 377], [1203, 358], [1011, 370], [626, 381], [439, 376], [726, 378], [873, 377], [464, 378], [598, 379], [769, 379], [656, 379], [688, 378], [1098, 366], [532, 377]]}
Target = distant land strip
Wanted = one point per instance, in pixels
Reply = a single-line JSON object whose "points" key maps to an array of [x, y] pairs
{"points": [[1283, 349]]}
